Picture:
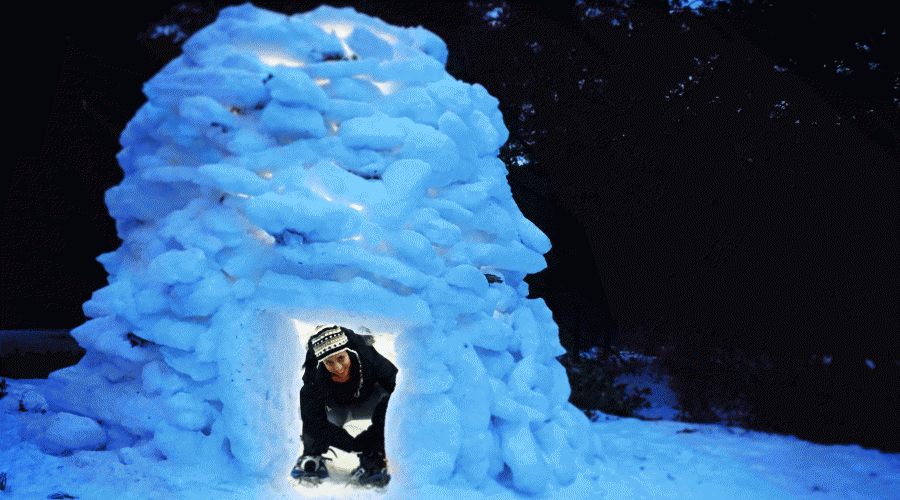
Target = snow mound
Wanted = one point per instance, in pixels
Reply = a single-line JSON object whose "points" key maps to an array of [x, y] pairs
{"points": [[321, 168]]}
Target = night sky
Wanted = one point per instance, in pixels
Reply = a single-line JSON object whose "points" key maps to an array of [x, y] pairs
{"points": [[753, 208]]}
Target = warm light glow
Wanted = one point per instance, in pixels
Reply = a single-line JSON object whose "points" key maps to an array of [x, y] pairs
{"points": [[266, 175], [321, 192], [433, 193], [333, 126], [355, 238], [322, 81], [387, 37], [275, 60], [386, 88], [242, 195], [357, 207], [341, 30], [262, 236], [347, 49]]}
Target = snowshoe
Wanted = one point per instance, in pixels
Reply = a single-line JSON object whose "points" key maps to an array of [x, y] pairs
{"points": [[372, 470], [310, 470]]}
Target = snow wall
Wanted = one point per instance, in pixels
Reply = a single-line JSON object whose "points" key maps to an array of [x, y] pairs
{"points": [[313, 169]]}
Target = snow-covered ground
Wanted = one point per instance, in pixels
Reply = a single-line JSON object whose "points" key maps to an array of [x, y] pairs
{"points": [[643, 460]]}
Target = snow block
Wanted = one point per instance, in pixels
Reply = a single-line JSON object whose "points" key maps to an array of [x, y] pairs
{"points": [[366, 45], [292, 123], [232, 179], [68, 432], [294, 88], [34, 402], [522, 455], [466, 276], [415, 104], [375, 132]]}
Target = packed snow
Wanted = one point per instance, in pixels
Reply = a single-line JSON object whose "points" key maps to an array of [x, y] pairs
{"points": [[323, 168], [641, 460]]}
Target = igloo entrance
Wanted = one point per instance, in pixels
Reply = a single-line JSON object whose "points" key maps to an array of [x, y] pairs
{"points": [[323, 168]]}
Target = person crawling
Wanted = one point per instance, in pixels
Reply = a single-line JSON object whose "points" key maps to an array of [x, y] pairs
{"points": [[344, 379]]}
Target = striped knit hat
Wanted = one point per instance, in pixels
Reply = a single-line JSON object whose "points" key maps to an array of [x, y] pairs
{"points": [[327, 341]]}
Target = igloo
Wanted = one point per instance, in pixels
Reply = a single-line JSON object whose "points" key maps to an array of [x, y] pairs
{"points": [[321, 168]]}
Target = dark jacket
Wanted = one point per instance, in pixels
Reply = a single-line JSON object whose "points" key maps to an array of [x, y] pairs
{"points": [[368, 367]]}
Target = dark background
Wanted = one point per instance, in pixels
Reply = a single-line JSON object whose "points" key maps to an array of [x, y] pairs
{"points": [[711, 183]]}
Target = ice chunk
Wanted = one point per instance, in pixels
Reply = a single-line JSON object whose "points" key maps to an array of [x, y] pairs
{"points": [[246, 141], [178, 445], [521, 454], [343, 186], [474, 456], [531, 236], [243, 288], [498, 364], [405, 180], [352, 255], [413, 103], [455, 128], [528, 331], [204, 112], [450, 210], [199, 371], [428, 222], [430, 377], [513, 256], [560, 456], [351, 100], [416, 69], [291, 123], [231, 87], [466, 276], [412, 245], [453, 94], [378, 131], [485, 138], [293, 87], [434, 454], [472, 196], [158, 378], [233, 179], [115, 298], [178, 334], [427, 144], [34, 402], [494, 219], [188, 412], [464, 301], [472, 392], [316, 218], [209, 293], [169, 174], [560, 388], [150, 301], [108, 334], [179, 266], [72, 432], [337, 69], [366, 45]]}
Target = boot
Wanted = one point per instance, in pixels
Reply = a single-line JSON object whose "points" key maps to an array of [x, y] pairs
{"points": [[310, 467], [372, 469]]}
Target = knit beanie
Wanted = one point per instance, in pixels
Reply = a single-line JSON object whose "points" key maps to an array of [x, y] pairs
{"points": [[327, 341]]}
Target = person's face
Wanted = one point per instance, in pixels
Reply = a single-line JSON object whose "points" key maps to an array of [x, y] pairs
{"points": [[338, 363]]}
